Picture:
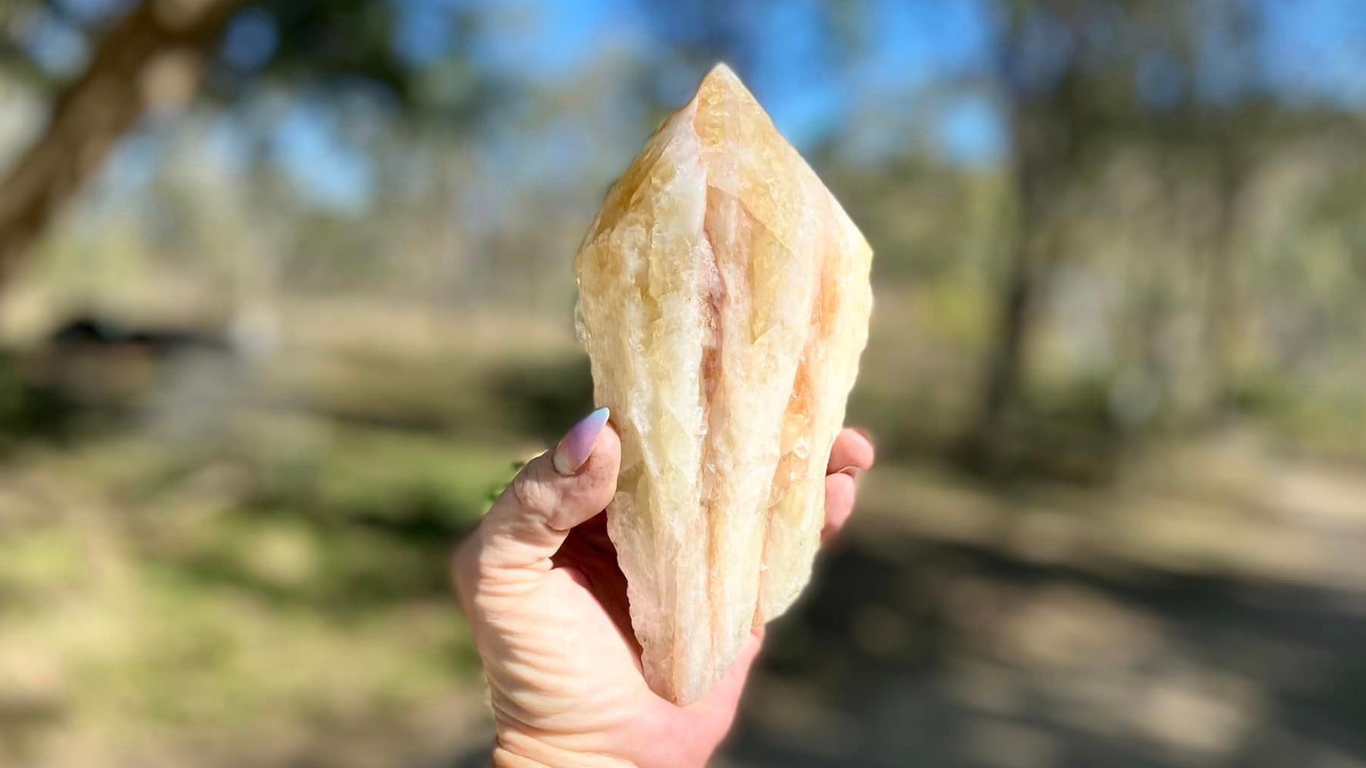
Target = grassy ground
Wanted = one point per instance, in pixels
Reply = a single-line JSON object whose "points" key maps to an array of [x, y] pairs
{"points": [[212, 564], [154, 595]]}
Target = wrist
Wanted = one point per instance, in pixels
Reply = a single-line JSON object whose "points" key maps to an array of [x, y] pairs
{"points": [[527, 753]]}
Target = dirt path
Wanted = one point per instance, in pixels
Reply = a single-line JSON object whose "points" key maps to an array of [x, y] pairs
{"points": [[1182, 620]]}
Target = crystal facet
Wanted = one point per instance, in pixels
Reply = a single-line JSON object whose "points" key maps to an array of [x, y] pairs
{"points": [[724, 302]]}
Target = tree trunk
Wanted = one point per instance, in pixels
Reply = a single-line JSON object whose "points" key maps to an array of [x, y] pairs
{"points": [[1030, 258], [1221, 305], [151, 56], [1004, 363]]}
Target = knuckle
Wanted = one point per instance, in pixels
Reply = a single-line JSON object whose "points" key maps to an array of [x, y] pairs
{"points": [[532, 492]]}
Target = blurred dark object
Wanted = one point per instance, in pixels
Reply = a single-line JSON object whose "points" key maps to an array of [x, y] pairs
{"points": [[90, 333], [118, 367]]}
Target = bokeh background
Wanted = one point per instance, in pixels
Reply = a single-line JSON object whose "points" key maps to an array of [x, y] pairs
{"points": [[287, 290]]}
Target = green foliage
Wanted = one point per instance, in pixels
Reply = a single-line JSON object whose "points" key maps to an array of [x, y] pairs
{"points": [[497, 489]]}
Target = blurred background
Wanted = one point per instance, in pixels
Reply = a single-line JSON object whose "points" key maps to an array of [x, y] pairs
{"points": [[285, 290]]}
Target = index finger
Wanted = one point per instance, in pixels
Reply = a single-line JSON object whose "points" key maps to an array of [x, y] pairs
{"points": [[853, 451], [851, 455]]}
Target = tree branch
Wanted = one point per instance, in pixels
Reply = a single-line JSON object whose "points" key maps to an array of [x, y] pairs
{"points": [[96, 110]]}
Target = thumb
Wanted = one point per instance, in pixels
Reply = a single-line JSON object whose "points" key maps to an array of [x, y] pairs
{"points": [[554, 492]]}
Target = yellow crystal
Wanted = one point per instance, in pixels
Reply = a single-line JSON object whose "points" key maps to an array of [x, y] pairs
{"points": [[724, 302]]}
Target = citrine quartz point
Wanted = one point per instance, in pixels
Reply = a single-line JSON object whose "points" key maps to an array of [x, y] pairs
{"points": [[724, 301]]}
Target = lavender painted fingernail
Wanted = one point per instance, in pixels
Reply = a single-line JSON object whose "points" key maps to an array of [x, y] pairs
{"points": [[578, 444]]}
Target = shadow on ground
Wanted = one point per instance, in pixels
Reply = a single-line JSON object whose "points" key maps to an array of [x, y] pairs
{"points": [[912, 652]]}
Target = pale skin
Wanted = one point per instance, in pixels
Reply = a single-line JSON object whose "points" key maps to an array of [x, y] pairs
{"points": [[546, 602]]}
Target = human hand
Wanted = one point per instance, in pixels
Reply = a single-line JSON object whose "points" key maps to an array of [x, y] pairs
{"points": [[539, 583]]}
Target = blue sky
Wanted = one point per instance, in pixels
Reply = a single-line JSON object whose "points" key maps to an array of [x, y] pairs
{"points": [[1316, 50], [868, 90], [903, 47]]}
